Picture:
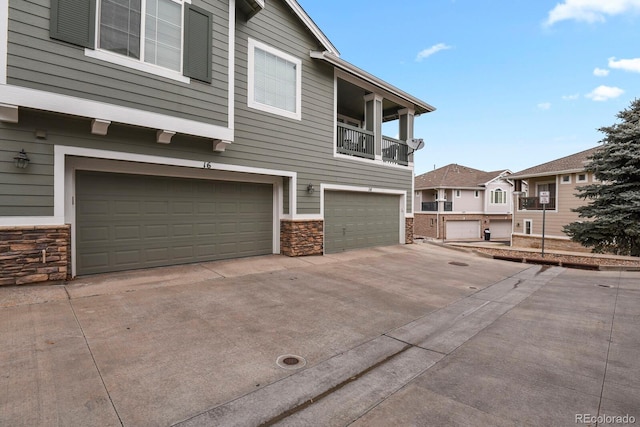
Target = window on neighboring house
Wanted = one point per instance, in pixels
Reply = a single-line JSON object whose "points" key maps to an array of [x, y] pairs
{"points": [[550, 187], [566, 179], [581, 177], [476, 194], [169, 38], [458, 193], [528, 226], [498, 196], [274, 81]]}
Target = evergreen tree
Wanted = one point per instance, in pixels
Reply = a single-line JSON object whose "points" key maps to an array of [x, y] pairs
{"points": [[613, 211]]}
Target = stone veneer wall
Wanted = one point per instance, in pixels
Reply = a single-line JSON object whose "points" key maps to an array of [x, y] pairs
{"points": [[301, 237], [21, 254], [408, 230], [550, 243]]}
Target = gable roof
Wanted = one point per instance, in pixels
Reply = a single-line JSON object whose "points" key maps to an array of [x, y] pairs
{"points": [[573, 163], [332, 56], [455, 176]]}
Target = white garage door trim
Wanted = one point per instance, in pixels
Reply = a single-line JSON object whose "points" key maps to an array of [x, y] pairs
{"points": [[108, 164]]}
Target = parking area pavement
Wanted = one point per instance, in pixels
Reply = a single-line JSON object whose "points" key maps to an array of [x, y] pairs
{"points": [[401, 335]]}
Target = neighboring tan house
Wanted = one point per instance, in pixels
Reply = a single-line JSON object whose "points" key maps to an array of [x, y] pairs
{"points": [[560, 178], [181, 131], [456, 202]]}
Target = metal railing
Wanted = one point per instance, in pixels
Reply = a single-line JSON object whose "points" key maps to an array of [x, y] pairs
{"points": [[395, 151], [354, 141], [533, 204], [433, 206], [429, 206]]}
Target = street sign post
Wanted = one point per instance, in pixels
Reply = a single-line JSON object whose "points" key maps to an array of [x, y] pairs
{"points": [[545, 198]]}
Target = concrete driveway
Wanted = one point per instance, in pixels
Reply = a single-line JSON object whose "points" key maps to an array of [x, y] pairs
{"points": [[402, 335]]}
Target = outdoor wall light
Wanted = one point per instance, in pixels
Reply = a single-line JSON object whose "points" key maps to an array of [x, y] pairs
{"points": [[310, 189], [21, 160]]}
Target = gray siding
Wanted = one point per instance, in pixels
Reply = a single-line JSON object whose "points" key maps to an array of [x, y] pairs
{"points": [[25, 192], [305, 146], [36, 61], [262, 140]]}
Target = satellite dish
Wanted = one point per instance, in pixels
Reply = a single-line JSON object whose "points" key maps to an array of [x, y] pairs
{"points": [[415, 144]]}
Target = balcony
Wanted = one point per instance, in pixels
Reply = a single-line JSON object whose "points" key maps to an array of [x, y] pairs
{"points": [[533, 204], [358, 142], [354, 141], [433, 206], [395, 151]]}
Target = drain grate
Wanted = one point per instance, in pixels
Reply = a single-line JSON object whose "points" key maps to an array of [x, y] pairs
{"points": [[290, 361]]}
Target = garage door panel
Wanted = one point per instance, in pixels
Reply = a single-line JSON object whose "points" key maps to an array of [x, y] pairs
{"points": [[359, 220], [469, 229], [125, 224]]}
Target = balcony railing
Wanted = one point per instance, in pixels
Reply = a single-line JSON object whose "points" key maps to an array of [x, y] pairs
{"points": [[433, 206], [395, 151], [358, 142], [533, 204], [429, 206], [354, 141]]}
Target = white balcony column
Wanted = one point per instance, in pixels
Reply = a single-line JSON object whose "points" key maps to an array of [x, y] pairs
{"points": [[405, 122], [373, 120]]}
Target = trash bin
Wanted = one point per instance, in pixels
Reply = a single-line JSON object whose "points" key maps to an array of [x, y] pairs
{"points": [[487, 234]]}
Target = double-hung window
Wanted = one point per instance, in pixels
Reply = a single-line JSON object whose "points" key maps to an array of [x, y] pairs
{"points": [[498, 196], [169, 38], [274, 81], [148, 30]]}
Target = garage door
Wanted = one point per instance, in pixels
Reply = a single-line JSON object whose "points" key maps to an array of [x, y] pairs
{"points": [[133, 221], [360, 220], [500, 229], [463, 230]]}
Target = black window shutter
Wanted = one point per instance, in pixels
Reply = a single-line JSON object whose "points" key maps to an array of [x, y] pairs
{"points": [[73, 21], [198, 24]]}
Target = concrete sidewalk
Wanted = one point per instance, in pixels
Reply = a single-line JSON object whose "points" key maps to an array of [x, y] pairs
{"points": [[403, 335]]}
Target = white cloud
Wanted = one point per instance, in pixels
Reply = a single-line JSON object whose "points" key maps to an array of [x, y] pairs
{"points": [[571, 97], [544, 105], [590, 10], [600, 72], [430, 51], [625, 64], [603, 93]]}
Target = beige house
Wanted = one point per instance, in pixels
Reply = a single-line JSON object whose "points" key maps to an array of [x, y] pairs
{"points": [[456, 202], [560, 178]]}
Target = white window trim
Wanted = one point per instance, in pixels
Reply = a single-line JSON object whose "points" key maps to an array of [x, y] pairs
{"points": [[524, 227], [251, 103], [504, 196], [139, 64], [125, 61], [565, 182], [586, 177]]}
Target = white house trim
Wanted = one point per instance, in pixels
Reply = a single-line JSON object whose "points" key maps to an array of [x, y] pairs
{"points": [[4, 40], [136, 64], [48, 101]]}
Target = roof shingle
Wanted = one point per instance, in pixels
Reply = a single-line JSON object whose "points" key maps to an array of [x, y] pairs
{"points": [[454, 176], [574, 162]]}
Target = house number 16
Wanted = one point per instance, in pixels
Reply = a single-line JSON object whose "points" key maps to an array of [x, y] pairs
{"points": [[207, 165]]}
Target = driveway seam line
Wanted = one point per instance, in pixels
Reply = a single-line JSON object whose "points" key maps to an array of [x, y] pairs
{"points": [[606, 363], [75, 316]]}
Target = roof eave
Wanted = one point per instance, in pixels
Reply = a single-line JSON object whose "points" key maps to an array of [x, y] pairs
{"points": [[315, 30], [333, 59]]}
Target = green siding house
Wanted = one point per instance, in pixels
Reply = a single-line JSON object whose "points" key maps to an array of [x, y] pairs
{"points": [[149, 133]]}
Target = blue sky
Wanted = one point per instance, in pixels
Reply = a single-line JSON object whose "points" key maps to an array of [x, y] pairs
{"points": [[516, 83]]}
